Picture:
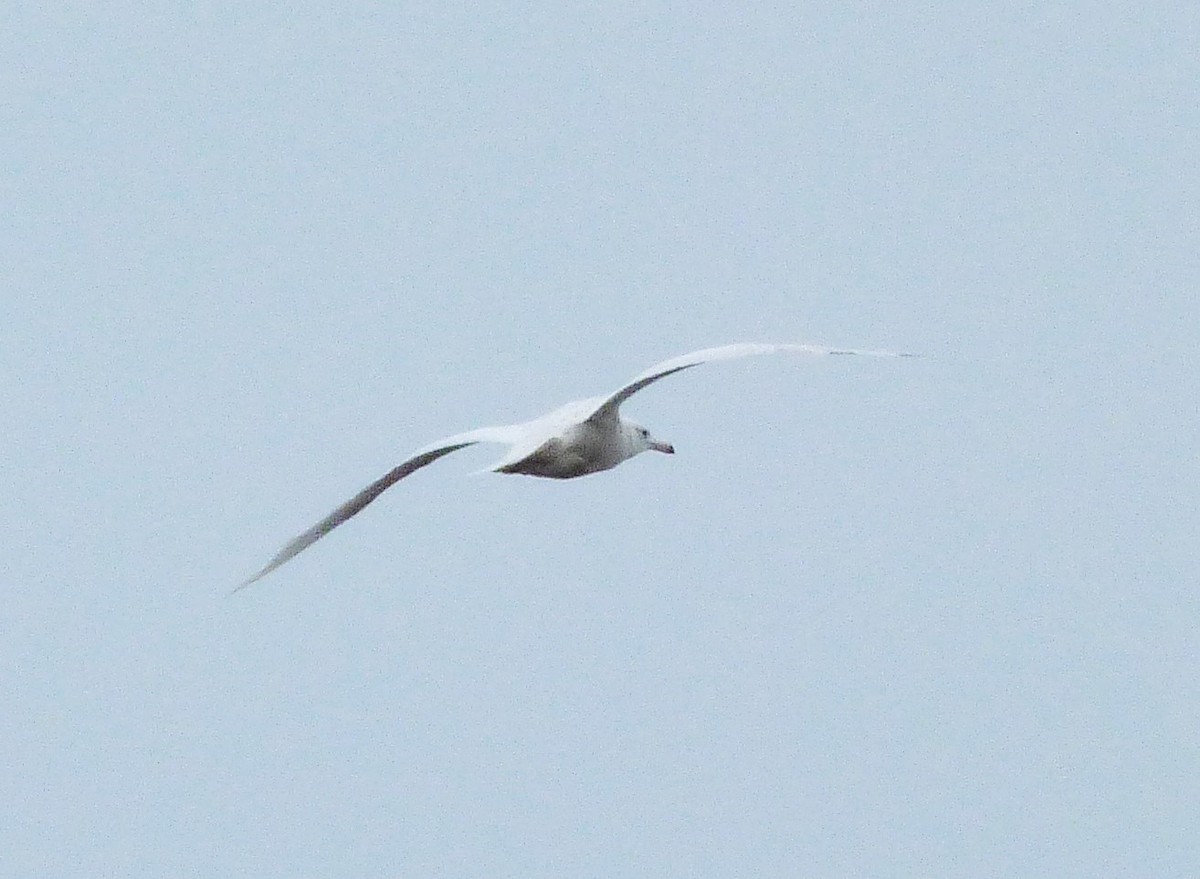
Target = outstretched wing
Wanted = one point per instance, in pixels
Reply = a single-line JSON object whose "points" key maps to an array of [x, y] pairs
{"points": [[427, 455], [608, 408]]}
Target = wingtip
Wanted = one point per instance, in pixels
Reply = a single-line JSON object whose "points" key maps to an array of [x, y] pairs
{"points": [[875, 353], [240, 586]]}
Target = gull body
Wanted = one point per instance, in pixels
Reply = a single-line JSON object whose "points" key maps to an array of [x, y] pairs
{"points": [[583, 437], [568, 443]]}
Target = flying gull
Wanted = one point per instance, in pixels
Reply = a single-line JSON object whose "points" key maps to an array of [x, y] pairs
{"points": [[583, 437]]}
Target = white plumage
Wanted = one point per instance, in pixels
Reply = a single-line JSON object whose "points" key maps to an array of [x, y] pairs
{"points": [[582, 437]]}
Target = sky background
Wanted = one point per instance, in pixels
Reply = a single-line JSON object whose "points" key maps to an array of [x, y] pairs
{"points": [[929, 617]]}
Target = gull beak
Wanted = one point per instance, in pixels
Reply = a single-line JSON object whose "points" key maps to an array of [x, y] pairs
{"points": [[665, 448]]}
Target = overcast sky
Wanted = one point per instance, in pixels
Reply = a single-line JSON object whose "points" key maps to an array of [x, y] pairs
{"points": [[928, 617]]}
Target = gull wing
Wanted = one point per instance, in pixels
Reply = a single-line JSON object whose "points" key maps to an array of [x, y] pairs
{"points": [[421, 458], [608, 407]]}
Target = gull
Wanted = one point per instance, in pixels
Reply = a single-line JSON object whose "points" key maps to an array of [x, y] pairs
{"points": [[586, 436]]}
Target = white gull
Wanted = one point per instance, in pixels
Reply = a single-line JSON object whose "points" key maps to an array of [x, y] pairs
{"points": [[583, 437]]}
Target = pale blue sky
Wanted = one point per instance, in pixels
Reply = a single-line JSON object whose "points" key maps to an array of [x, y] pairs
{"points": [[916, 618]]}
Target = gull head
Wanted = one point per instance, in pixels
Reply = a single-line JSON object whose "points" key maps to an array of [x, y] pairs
{"points": [[638, 440]]}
